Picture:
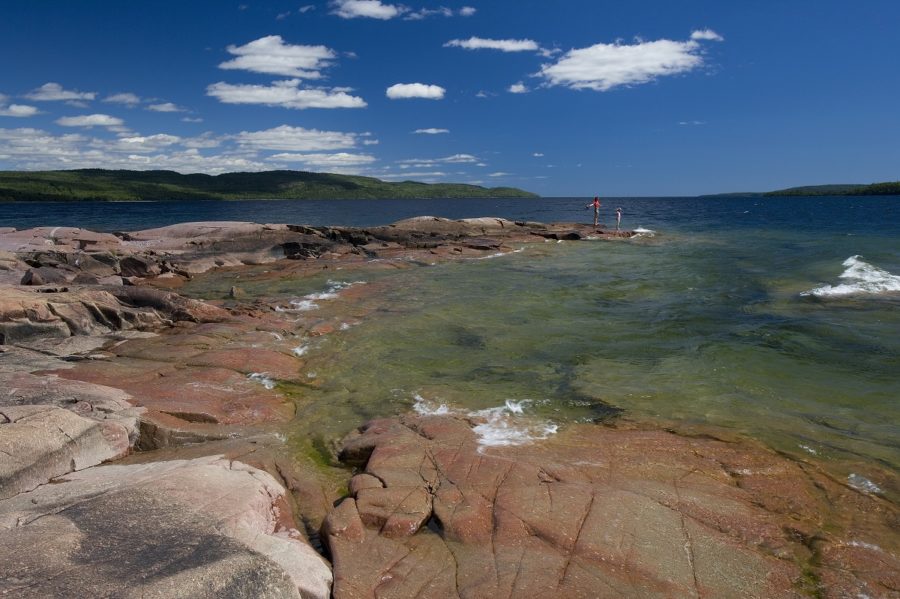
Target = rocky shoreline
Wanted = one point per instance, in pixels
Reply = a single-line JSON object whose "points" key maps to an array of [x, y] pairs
{"points": [[143, 441]]}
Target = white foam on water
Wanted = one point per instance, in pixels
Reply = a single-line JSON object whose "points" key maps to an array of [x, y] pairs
{"points": [[500, 254], [344, 326], [507, 425], [425, 407], [304, 305], [642, 232], [808, 449], [865, 545], [863, 279], [263, 379], [861, 483], [308, 301]]}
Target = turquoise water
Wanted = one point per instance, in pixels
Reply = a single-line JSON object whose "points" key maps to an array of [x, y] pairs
{"points": [[716, 327], [734, 315]]}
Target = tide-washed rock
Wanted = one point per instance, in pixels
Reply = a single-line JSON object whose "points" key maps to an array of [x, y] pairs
{"points": [[204, 527], [598, 512]]}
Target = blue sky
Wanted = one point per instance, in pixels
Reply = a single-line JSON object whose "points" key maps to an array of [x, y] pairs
{"points": [[563, 97]]}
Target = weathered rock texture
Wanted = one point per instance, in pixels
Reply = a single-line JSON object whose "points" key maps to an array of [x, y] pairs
{"points": [[599, 513], [206, 527]]}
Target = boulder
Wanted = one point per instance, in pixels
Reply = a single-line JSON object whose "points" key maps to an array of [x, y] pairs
{"points": [[203, 527]]}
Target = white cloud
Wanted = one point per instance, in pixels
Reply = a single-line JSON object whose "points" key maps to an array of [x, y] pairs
{"points": [[126, 98], [166, 107], [466, 11], [50, 92], [371, 9], [499, 174], [283, 15], [517, 88], [424, 13], [271, 55], [707, 34], [602, 67], [138, 143], [90, 120], [478, 43], [306, 9], [415, 90], [34, 149], [286, 94], [692, 122], [538, 155], [370, 142], [336, 160], [431, 131], [429, 162], [16, 110], [189, 119], [296, 139]]}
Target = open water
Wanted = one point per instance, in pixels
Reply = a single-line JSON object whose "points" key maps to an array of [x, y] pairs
{"points": [[777, 318]]}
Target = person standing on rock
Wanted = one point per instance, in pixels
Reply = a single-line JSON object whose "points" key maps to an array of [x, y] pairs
{"points": [[596, 206], [618, 218]]}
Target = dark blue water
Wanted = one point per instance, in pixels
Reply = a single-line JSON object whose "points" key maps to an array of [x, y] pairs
{"points": [[870, 215]]}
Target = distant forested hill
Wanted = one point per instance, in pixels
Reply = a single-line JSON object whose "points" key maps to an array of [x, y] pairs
{"points": [[125, 185], [847, 189]]}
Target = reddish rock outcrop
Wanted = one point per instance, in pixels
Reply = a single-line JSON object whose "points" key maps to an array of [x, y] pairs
{"points": [[599, 512]]}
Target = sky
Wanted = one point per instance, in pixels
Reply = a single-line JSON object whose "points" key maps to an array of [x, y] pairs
{"points": [[559, 97]]}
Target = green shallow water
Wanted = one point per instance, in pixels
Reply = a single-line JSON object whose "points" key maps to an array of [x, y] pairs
{"points": [[679, 330]]}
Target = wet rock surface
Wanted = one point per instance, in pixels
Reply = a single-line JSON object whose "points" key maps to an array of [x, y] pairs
{"points": [[598, 512]]}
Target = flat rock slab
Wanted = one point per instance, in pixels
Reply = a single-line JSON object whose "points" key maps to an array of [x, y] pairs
{"points": [[599, 512], [38, 443], [204, 527]]}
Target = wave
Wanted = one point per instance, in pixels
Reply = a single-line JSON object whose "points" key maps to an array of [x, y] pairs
{"points": [[863, 279], [500, 426], [308, 301], [642, 232]]}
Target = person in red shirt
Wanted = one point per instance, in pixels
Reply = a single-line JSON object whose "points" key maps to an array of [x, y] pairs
{"points": [[596, 206]]}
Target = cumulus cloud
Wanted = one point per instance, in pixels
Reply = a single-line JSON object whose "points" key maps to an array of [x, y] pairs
{"points": [[517, 88], [296, 139], [272, 56], [34, 149], [538, 154], [602, 67], [467, 11], [16, 110], [478, 43], [707, 34], [337, 160], [166, 107], [370, 9], [126, 98], [285, 94], [415, 90], [90, 120], [51, 92], [431, 131]]}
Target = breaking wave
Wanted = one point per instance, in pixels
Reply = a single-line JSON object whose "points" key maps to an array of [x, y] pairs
{"points": [[862, 279], [500, 426]]}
